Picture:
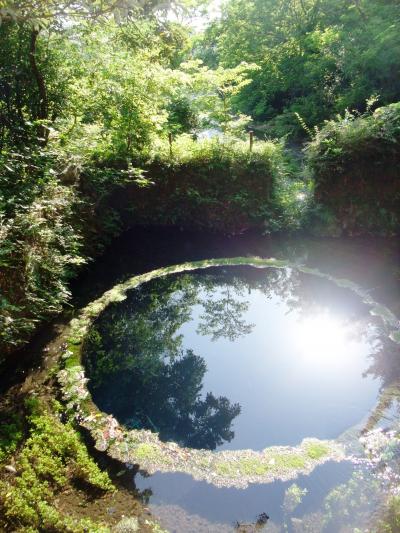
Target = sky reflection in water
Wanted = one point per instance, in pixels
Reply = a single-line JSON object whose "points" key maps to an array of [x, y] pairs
{"points": [[292, 377], [282, 354]]}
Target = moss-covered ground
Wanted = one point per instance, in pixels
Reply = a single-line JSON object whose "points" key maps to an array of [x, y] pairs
{"points": [[49, 479]]}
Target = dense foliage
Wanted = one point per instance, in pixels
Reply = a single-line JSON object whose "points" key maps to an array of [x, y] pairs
{"points": [[214, 184], [316, 57], [116, 113], [52, 457], [355, 163]]}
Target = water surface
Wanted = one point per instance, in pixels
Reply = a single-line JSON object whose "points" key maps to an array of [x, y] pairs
{"points": [[188, 506], [337, 499], [235, 357]]}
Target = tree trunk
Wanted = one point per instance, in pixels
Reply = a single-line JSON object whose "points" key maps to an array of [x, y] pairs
{"points": [[43, 110]]}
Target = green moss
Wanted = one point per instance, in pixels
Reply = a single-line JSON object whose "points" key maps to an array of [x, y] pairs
{"points": [[316, 450], [149, 452], [74, 340], [204, 462], [246, 466], [74, 350], [259, 466], [347, 284], [52, 457], [288, 461]]}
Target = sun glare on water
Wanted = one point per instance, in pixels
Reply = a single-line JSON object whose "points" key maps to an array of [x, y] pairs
{"points": [[324, 339]]}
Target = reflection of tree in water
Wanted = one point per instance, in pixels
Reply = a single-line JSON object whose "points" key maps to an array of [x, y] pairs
{"points": [[313, 296], [144, 325], [385, 358], [139, 371], [222, 317], [168, 400], [385, 365], [223, 297], [136, 364]]}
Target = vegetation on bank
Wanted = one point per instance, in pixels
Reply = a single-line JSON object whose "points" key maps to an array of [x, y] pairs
{"points": [[89, 95], [50, 460], [50, 482], [216, 184], [354, 162]]}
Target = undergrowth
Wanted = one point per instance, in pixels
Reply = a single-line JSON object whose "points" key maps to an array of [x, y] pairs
{"points": [[51, 459], [354, 161], [11, 434], [217, 184], [39, 251]]}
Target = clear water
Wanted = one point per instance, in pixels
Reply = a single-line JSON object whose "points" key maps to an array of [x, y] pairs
{"points": [[338, 497], [234, 358]]}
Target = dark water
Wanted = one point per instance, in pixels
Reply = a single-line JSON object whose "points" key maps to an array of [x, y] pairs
{"points": [[236, 358], [188, 506], [337, 499]]}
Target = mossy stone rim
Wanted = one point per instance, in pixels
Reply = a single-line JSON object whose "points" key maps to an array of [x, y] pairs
{"points": [[229, 468]]}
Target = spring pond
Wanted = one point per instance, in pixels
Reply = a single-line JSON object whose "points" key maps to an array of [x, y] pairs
{"points": [[235, 357], [232, 358]]}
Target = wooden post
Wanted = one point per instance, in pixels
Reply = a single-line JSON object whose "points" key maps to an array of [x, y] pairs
{"points": [[170, 143], [251, 136]]}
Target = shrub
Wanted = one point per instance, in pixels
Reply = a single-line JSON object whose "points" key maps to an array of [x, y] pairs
{"points": [[215, 184], [355, 162], [40, 248]]}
